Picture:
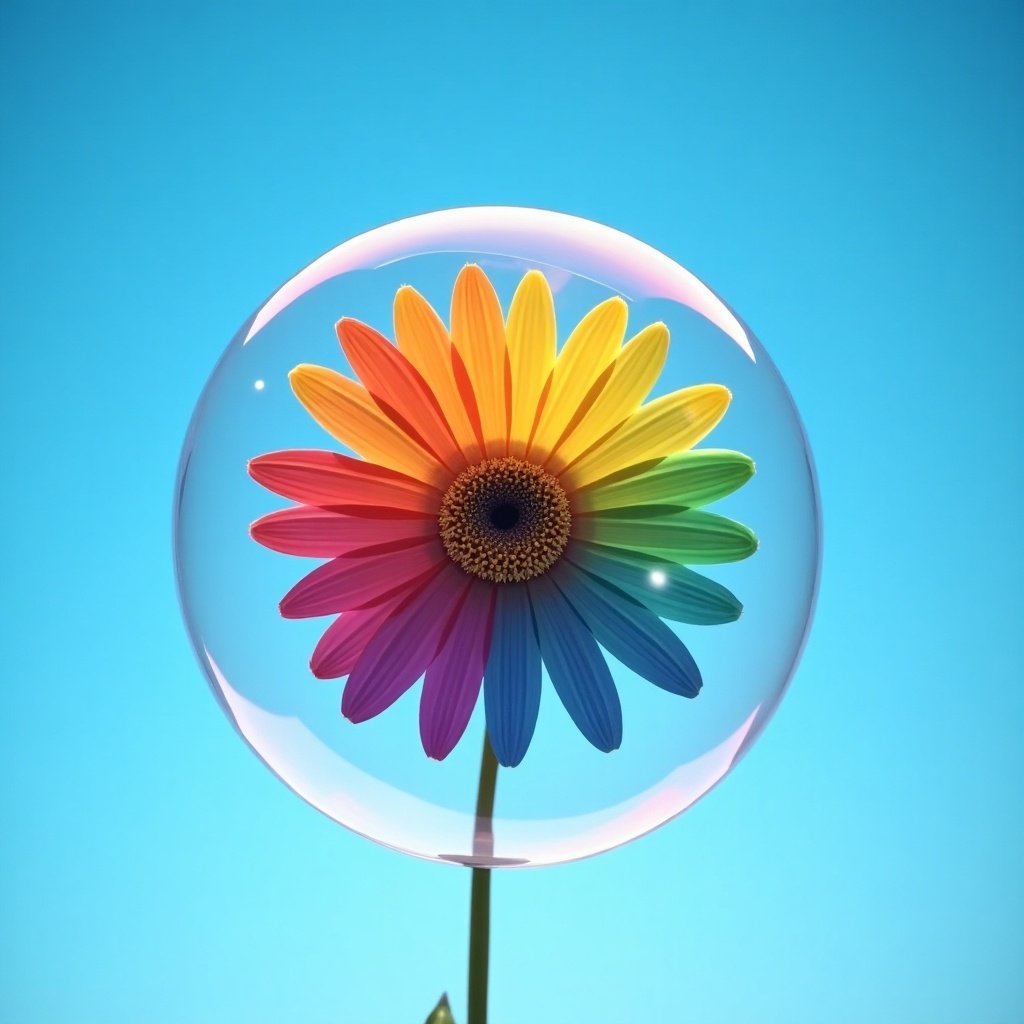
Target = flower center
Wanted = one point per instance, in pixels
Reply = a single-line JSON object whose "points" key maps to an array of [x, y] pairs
{"points": [[505, 520]]}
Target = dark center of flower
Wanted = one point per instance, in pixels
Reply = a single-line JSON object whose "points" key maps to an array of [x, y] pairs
{"points": [[504, 516], [505, 520]]}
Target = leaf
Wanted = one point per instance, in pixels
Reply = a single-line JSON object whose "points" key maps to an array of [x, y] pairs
{"points": [[442, 1013]]}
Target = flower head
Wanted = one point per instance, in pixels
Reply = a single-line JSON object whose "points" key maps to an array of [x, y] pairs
{"points": [[510, 507]]}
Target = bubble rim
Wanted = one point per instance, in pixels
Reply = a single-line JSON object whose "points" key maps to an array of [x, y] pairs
{"points": [[532, 235]]}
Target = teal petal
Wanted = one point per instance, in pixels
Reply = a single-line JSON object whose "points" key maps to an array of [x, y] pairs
{"points": [[669, 590], [629, 631]]}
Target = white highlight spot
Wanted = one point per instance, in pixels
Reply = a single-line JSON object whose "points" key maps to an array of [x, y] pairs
{"points": [[658, 578], [259, 385]]}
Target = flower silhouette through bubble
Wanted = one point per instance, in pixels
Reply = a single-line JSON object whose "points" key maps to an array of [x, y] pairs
{"points": [[511, 507]]}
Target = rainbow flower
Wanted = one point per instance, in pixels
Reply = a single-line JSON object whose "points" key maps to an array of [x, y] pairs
{"points": [[511, 508]]}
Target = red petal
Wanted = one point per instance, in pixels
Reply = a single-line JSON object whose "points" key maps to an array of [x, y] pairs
{"points": [[322, 533], [328, 478]]}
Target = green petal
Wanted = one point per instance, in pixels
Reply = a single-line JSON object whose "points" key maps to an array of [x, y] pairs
{"points": [[680, 535], [670, 591], [691, 478]]}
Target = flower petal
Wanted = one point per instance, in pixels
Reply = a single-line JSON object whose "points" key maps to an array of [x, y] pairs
{"points": [[669, 590], [689, 479], [512, 676], [346, 411], [688, 535], [321, 533], [452, 683], [342, 643], [361, 578], [585, 356], [636, 370], [328, 478], [531, 351], [478, 334], [665, 426], [423, 340], [399, 389], [629, 631], [403, 646], [577, 668]]}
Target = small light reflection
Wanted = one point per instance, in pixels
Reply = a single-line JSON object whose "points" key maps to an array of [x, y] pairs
{"points": [[259, 385], [658, 578]]}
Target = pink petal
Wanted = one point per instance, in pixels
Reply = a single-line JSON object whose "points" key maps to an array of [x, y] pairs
{"points": [[339, 648], [328, 478], [321, 533], [452, 683], [403, 646], [361, 578]]}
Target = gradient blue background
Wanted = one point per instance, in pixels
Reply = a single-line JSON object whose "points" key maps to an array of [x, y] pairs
{"points": [[847, 176]]}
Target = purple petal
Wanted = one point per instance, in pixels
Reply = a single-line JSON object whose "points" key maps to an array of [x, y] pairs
{"points": [[403, 646], [452, 684]]}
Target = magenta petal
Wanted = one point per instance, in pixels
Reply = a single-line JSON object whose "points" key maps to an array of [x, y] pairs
{"points": [[360, 578], [403, 646], [452, 683], [321, 533], [343, 642]]}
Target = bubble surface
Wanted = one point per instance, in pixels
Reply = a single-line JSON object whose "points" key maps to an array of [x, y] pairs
{"points": [[566, 799]]}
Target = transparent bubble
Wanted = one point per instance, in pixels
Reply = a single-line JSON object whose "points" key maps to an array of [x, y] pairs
{"points": [[566, 799]]}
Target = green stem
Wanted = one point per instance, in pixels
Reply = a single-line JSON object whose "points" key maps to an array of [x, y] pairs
{"points": [[480, 900]]}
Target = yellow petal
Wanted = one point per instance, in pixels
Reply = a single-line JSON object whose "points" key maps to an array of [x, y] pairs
{"points": [[663, 427], [423, 340], [346, 411], [636, 370], [584, 357], [478, 334], [531, 350]]}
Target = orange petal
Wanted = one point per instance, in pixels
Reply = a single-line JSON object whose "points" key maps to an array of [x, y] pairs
{"points": [[478, 334], [399, 389], [346, 411], [423, 340]]}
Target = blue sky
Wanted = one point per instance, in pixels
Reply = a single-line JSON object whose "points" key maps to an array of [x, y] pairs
{"points": [[848, 177]]}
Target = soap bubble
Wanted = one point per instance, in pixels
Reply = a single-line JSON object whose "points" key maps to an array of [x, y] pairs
{"points": [[566, 799]]}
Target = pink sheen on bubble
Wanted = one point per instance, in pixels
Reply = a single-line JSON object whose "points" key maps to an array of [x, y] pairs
{"points": [[602, 253], [408, 824]]}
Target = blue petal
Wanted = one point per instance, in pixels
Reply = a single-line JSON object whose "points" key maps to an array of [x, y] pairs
{"points": [[512, 676], [630, 632], [576, 666], [669, 590]]}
